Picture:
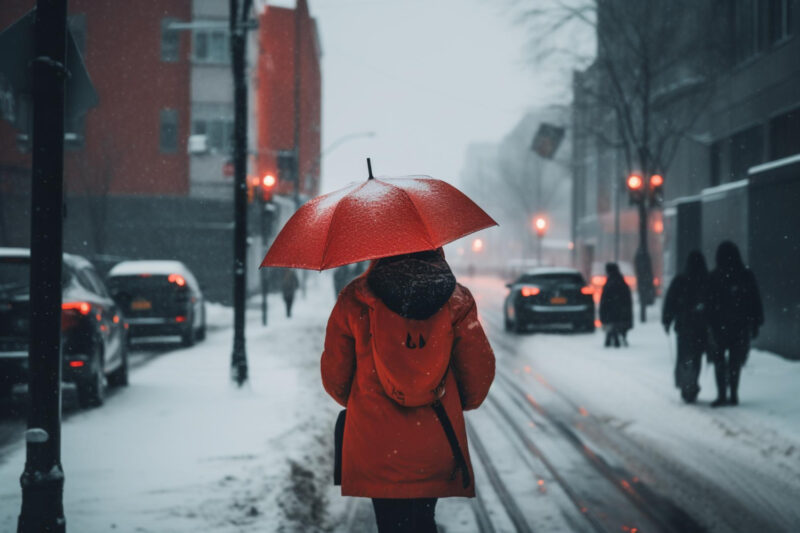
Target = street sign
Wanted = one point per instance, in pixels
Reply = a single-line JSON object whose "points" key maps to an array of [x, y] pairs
{"points": [[16, 68], [547, 140]]}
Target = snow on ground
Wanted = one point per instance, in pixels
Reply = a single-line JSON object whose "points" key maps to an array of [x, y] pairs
{"points": [[756, 443], [182, 450]]}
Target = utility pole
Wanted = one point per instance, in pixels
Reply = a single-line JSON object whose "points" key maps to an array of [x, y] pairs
{"points": [[238, 31], [43, 478]]}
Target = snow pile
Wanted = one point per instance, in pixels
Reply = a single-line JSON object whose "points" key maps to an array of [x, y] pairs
{"points": [[182, 450]]}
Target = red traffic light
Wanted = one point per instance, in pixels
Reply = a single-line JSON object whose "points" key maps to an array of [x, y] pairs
{"points": [[540, 225], [656, 180], [635, 182], [268, 181]]}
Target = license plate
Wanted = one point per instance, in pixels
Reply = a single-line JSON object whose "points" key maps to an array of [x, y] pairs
{"points": [[558, 300], [141, 305]]}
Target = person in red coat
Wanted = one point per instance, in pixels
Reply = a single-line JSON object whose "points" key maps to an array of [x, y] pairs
{"points": [[406, 354]]}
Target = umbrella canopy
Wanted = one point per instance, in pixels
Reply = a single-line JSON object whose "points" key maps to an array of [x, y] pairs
{"points": [[377, 218]]}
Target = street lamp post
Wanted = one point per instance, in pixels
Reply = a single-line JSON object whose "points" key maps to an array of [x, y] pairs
{"points": [[238, 28], [43, 478]]}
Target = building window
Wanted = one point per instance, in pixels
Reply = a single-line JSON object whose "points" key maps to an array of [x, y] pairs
{"points": [[784, 135], [218, 132], [747, 150], [170, 41], [211, 46], [779, 20], [716, 164], [168, 135], [746, 25]]}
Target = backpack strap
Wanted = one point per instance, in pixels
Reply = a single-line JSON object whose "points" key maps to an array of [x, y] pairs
{"points": [[461, 462]]}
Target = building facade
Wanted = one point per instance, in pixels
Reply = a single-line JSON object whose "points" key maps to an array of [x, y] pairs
{"points": [[146, 170], [288, 90], [733, 174]]}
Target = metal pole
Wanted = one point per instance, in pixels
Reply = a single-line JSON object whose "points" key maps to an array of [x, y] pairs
{"points": [[42, 480], [237, 30], [539, 251], [297, 80]]}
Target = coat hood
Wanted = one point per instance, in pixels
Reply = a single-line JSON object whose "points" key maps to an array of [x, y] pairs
{"points": [[728, 258], [414, 285], [411, 325]]}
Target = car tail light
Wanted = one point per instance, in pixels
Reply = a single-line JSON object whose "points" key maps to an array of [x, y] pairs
{"points": [[180, 318], [76, 364], [177, 279], [83, 308], [587, 290], [530, 291]]}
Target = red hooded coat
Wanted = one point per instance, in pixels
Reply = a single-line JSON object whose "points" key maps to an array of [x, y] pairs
{"points": [[387, 369]]}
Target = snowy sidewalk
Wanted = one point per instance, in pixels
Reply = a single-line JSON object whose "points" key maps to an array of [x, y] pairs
{"points": [[182, 450]]}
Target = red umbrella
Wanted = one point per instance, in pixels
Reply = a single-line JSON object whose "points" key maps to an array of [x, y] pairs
{"points": [[377, 218]]}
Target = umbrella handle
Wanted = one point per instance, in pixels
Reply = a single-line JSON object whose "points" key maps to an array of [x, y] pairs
{"points": [[369, 169]]}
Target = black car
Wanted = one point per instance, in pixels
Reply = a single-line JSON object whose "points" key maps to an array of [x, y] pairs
{"points": [[93, 330], [159, 298], [553, 297]]}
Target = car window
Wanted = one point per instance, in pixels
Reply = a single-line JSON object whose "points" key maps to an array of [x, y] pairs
{"points": [[15, 276], [95, 281], [551, 280]]}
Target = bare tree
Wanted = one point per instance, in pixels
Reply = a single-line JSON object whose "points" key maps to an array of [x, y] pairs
{"points": [[644, 89]]}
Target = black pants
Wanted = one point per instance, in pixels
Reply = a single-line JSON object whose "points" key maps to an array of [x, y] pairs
{"points": [[289, 301], [413, 515], [615, 335], [728, 369], [691, 346]]}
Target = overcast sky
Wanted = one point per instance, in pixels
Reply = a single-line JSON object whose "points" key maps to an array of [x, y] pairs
{"points": [[428, 77]]}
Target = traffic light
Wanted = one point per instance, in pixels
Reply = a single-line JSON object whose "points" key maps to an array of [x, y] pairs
{"points": [[635, 185], [656, 190], [268, 183], [540, 225]]}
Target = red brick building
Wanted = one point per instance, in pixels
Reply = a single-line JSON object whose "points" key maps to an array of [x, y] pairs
{"points": [[134, 140], [276, 103]]}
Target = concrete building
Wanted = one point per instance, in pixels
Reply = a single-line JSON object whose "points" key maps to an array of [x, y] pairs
{"points": [[735, 173]]}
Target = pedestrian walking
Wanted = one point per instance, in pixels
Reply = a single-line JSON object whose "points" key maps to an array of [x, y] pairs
{"points": [[687, 306], [406, 354], [616, 307], [736, 314], [404, 350], [289, 284]]}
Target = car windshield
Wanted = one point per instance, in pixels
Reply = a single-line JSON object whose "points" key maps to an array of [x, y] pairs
{"points": [[552, 280]]}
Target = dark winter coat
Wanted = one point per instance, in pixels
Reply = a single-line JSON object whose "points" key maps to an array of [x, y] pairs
{"points": [[687, 300], [735, 300], [616, 303], [289, 284], [399, 337]]}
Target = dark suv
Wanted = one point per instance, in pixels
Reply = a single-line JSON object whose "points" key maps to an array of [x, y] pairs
{"points": [[93, 331], [550, 297], [159, 298]]}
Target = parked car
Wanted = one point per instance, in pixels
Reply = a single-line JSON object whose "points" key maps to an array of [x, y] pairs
{"points": [[93, 330], [550, 297], [159, 298]]}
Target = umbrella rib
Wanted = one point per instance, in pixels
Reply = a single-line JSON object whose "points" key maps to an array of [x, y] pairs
{"points": [[416, 211]]}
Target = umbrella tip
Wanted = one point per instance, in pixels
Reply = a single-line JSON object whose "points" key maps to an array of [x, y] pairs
{"points": [[369, 169]]}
